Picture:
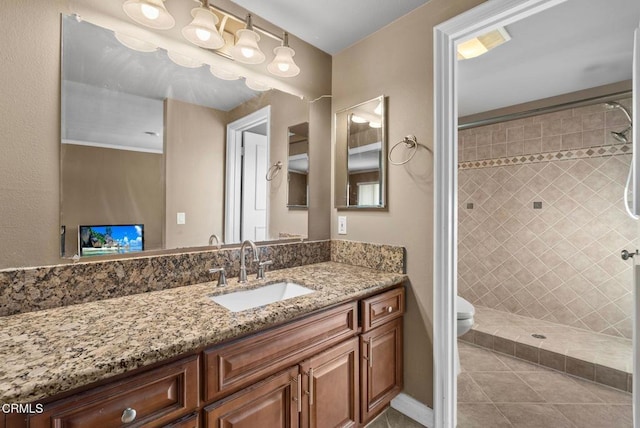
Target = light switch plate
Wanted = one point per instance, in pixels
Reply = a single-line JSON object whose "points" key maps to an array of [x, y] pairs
{"points": [[182, 218], [342, 225]]}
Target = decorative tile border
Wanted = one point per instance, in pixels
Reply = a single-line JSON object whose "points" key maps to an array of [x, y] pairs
{"points": [[590, 152], [386, 258]]}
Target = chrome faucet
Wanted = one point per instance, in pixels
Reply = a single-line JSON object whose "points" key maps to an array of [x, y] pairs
{"points": [[243, 266]]}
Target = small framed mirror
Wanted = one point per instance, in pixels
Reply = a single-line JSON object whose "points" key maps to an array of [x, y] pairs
{"points": [[298, 166], [360, 158]]}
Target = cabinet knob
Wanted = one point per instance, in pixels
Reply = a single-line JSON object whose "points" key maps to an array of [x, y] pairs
{"points": [[129, 415], [389, 309]]}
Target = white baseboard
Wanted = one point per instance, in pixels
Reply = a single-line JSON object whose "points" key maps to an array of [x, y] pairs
{"points": [[414, 409]]}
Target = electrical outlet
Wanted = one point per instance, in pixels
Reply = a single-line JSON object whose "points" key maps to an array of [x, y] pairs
{"points": [[342, 225], [182, 218]]}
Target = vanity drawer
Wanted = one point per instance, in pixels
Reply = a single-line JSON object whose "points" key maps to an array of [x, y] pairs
{"points": [[382, 308], [158, 397], [231, 367]]}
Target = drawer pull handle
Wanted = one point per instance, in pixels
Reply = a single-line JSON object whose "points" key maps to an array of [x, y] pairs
{"points": [[298, 397], [129, 415], [311, 386]]}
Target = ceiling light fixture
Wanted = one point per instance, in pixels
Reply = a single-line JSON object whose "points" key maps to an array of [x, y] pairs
{"points": [[202, 30], [150, 13], [246, 49], [283, 64], [483, 43]]}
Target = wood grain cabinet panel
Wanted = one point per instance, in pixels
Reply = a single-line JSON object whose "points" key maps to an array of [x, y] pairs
{"points": [[272, 403], [331, 387], [382, 308], [191, 421], [380, 367], [231, 367], [152, 399]]}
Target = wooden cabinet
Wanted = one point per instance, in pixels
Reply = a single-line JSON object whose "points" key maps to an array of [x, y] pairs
{"points": [[273, 403], [153, 398], [380, 367], [229, 368], [313, 372], [331, 387]]}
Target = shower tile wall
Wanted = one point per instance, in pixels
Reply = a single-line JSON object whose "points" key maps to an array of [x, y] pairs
{"points": [[560, 262]]}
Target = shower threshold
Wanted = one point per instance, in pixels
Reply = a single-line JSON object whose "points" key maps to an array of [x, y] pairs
{"points": [[593, 356]]}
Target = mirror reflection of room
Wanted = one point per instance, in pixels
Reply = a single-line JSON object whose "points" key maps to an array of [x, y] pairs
{"points": [[298, 166], [365, 155], [144, 139]]}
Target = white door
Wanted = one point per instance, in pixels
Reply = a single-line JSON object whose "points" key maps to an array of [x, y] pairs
{"points": [[635, 207], [254, 187]]}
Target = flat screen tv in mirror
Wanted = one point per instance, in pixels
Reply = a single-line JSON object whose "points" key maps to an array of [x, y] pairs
{"points": [[102, 240]]}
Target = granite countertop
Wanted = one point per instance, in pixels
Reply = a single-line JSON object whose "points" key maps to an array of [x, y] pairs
{"points": [[50, 351]]}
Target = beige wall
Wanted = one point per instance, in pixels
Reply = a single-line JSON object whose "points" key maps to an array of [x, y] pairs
{"points": [[397, 62], [107, 186], [319, 168], [30, 126], [194, 173]]}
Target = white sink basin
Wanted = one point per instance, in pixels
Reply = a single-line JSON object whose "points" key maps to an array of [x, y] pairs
{"points": [[243, 300]]}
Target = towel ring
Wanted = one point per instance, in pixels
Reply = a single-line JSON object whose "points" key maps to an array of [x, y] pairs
{"points": [[412, 144], [274, 171]]}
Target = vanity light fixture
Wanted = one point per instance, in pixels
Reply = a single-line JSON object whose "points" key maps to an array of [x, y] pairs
{"points": [[183, 60], [256, 85], [246, 49], [223, 74], [202, 30], [357, 119], [150, 13], [375, 125], [483, 43], [283, 64], [135, 43]]}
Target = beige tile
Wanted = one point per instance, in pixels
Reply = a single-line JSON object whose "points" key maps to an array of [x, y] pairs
{"points": [[504, 346], [483, 339], [605, 393], [515, 148], [597, 415], [557, 388], [505, 387], [552, 127], [571, 125], [480, 360], [480, 415], [580, 368], [396, 419], [571, 141], [611, 377], [518, 365], [515, 133], [529, 415], [469, 391], [527, 352], [593, 121], [552, 360]]}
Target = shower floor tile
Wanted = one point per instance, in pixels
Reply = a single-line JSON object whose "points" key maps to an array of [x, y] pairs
{"points": [[593, 356]]}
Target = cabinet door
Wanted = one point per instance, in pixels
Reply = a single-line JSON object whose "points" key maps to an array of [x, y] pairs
{"points": [[331, 388], [380, 367], [274, 403]]}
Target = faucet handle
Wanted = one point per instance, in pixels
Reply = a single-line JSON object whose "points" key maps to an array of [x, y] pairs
{"points": [[222, 278], [261, 266]]}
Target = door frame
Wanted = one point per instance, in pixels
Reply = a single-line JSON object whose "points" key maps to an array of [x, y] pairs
{"points": [[479, 20], [233, 171]]}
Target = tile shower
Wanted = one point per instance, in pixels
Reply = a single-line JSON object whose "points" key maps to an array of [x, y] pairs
{"points": [[541, 219]]}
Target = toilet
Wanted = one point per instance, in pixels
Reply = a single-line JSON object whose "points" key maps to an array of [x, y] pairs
{"points": [[464, 322]]}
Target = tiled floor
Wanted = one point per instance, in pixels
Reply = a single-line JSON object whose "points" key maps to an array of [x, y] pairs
{"points": [[497, 390], [598, 357], [391, 418]]}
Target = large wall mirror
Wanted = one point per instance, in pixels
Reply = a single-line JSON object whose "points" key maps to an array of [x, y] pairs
{"points": [[298, 166], [360, 157], [145, 140]]}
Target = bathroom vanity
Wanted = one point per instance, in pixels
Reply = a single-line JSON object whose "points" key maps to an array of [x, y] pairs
{"points": [[329, 358]]}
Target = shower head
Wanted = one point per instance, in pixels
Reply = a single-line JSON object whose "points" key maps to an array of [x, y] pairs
{"points": [[614, 104], [622, 135]]}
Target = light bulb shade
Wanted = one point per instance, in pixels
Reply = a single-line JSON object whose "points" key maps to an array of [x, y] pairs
{"points": [[223, 74], [246, 49], [183, 60], [150, 13], [255, 85], [202, 31], [283, 64], [135, 43]]}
